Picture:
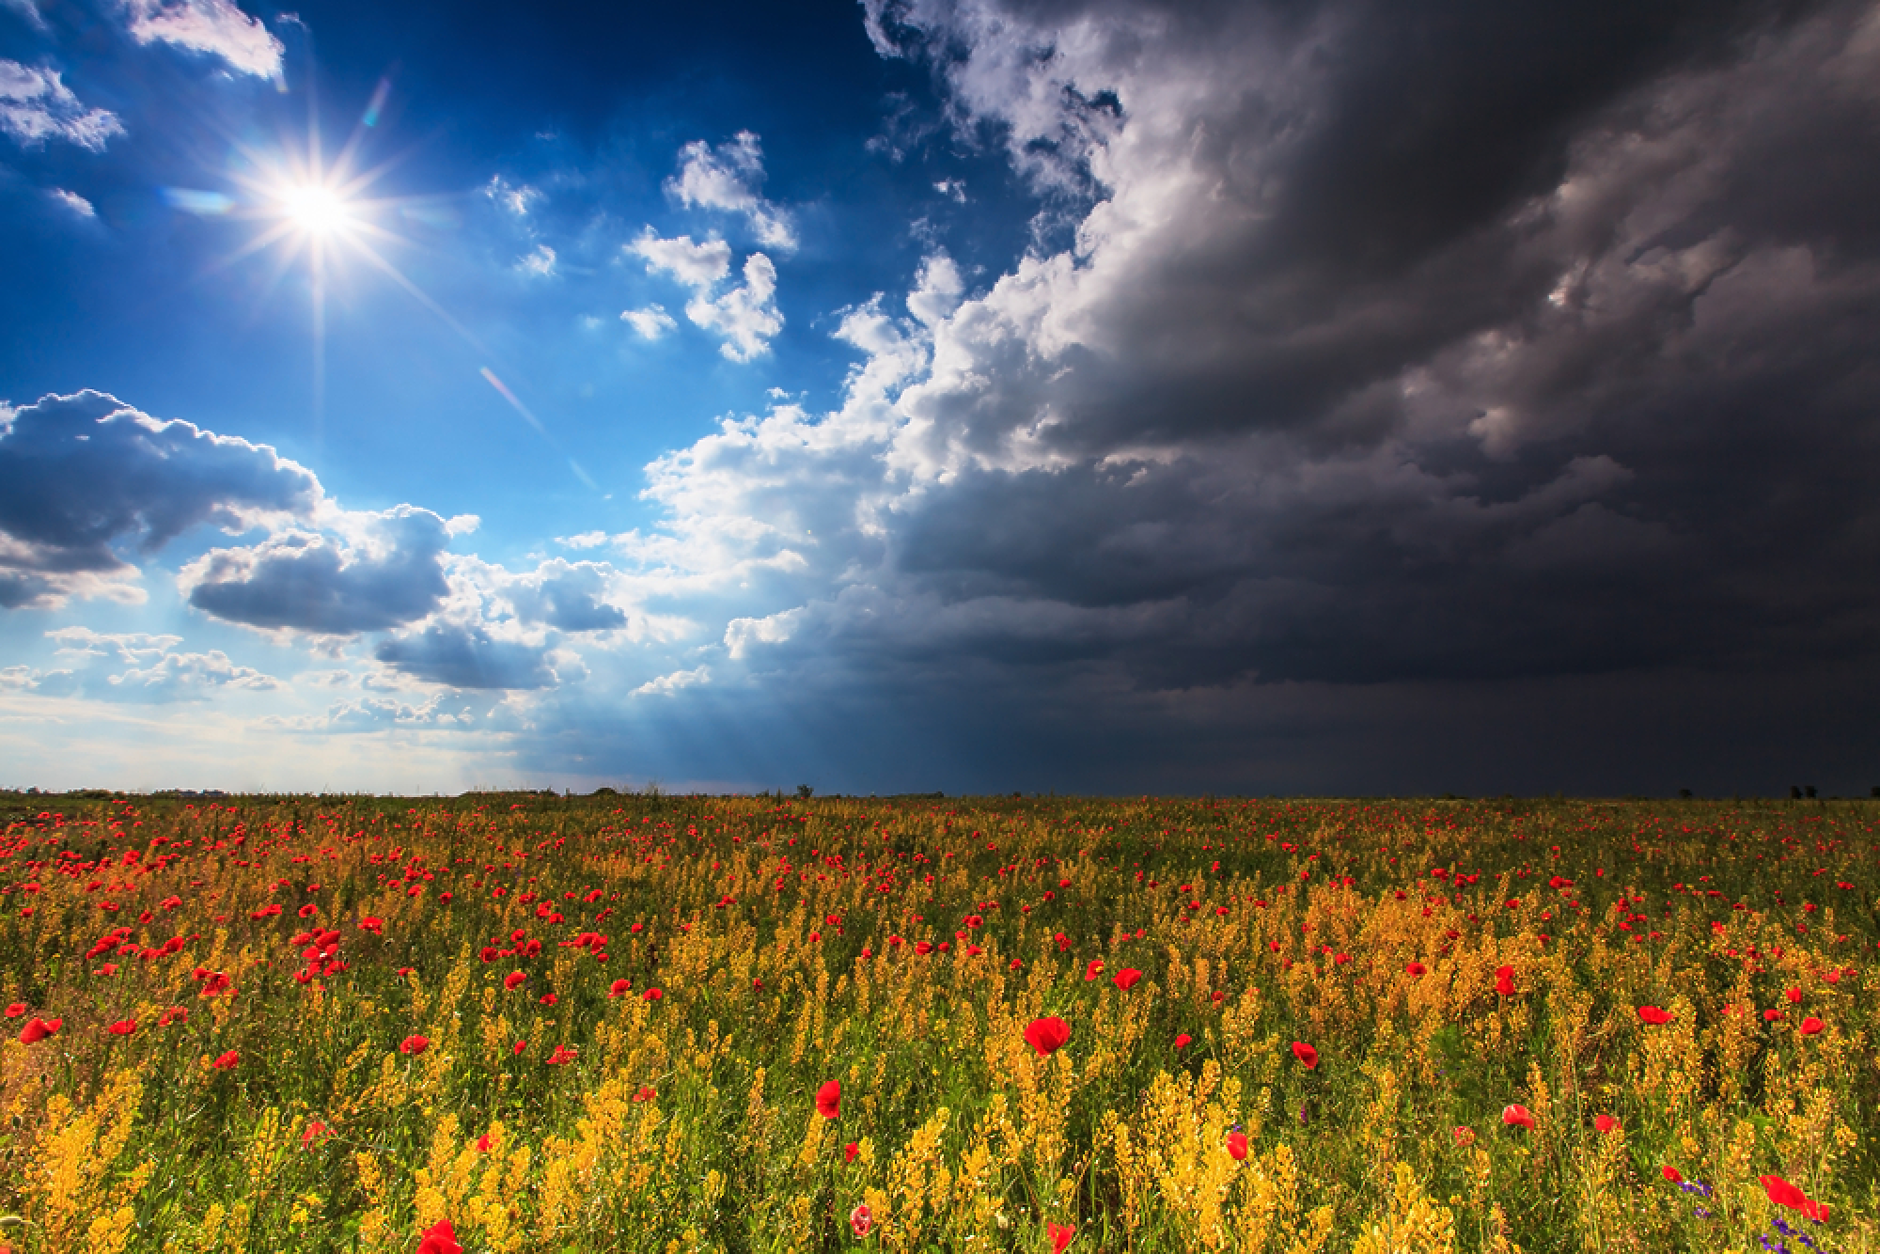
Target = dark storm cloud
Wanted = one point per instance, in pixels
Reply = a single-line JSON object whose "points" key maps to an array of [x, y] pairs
{"points": [[391, 574], [1399, 347], [81, 473], [462, 656]]}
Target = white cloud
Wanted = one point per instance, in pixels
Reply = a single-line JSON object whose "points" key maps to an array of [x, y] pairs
{"points": [[697, 265], [744, 316], [518, 198], [73, 201], [651, 322], [539, 263], [586, 540], [35, 107], [216, 27], [667, 685], [725, 179]]}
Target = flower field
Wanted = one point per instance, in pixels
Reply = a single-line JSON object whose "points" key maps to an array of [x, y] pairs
{"points": [[522, 1022]]}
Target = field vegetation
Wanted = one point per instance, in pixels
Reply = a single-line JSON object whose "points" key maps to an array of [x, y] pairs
{"points": [[529, 1023]]}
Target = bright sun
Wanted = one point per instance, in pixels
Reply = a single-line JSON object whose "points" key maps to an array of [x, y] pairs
{"points": [[315, 209]]}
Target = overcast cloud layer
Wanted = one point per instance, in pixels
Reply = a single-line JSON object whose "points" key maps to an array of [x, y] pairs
{"points": [[1389, 397]]}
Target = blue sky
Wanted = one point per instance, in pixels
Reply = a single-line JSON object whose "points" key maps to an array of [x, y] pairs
{"points": [[917, 394]]}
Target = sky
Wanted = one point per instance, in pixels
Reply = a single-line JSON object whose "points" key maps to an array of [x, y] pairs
{"points": [[1096, 396]]}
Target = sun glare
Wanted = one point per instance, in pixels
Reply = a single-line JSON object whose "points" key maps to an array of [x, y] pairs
{"points": [[315, 209]]}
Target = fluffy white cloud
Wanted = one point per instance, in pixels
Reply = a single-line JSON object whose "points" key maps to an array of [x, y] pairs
{"points": [[744, 316], [726, 178], [667, 685], [215, 27], [36, 106], [650, 322]]}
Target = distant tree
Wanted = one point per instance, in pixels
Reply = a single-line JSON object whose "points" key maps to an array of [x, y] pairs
{"points": [[804, 792], [1684, 794], [1810, 790], [1795, 792]]}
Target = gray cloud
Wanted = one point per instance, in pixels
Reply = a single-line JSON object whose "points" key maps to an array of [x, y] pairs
{"points": [[389, 574], [568, 596], [81, 473], [461, 656]]}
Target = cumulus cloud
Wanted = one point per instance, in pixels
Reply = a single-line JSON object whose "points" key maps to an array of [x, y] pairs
{"points": [[36, 106], [214, 27], [744, 316], [650, 322], [79, 474], [725, 178], [383, 571], [667, 685]]}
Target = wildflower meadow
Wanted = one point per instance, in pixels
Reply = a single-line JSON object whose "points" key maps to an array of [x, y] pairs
{"points": [[534, 1023]]}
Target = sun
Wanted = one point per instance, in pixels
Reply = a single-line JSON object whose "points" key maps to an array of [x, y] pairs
{"points": [[315, 209]]}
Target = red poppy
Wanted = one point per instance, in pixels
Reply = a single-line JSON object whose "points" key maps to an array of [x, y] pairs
{"points": [[1417, 970], [175, 1014], [518, 1047], [1812, 1025], [315, 1130], [1604, 1123], [651, 994], [645, 1093], [38, 1029], [1047, 1035], [619, 987], [213, 982], [123, 1027], [849, 1152], [1462, 1135], [861, 1219], [1771, 1015], [1060, 1235], [1237, 1145], [308, 911], [514, 979], [549, 999], [227, 1062], [1305, 1054], [1504, 981], [1093, 970], [1126, 978], [1782, 1193], [561, 1055], [1184, 1041], [16, 1009], [829, 1100], [440, 1238], [1793, 994], [414, 1044], [1516, 1115], [1673, 1174], [1653, 1015], [373, 925]]}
